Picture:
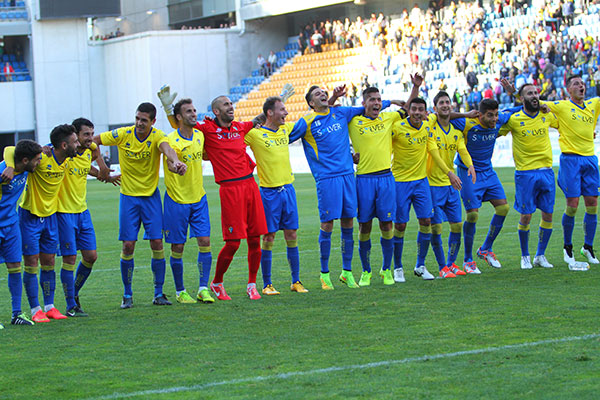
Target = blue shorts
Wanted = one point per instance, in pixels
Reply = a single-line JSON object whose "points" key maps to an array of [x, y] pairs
{"points": [[75, 232], [10, 244], [134, 210], [446, 204], [416, 193], [281, 208], [486, 188], [578, 175], [337, 197], [534, 189], [376, 197], [178, 217], [39, 235]]}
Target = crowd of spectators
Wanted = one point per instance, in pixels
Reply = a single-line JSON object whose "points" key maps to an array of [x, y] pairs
{"points": [[473, 46]]}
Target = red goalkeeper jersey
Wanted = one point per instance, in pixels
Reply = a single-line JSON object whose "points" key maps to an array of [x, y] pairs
{"points": [[226, 149]]}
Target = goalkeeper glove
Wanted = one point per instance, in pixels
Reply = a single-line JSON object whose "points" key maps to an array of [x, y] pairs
{"points": [[166, 98], [287, 92]]}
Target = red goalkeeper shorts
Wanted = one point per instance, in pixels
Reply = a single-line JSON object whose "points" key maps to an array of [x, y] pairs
{"points": [[242, 211]]}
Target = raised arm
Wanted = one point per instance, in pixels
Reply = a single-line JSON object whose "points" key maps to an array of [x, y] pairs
{"points": [[417, 81], [166, 99]]}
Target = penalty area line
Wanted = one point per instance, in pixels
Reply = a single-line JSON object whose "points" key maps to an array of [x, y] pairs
{"points": [[287, 375]]}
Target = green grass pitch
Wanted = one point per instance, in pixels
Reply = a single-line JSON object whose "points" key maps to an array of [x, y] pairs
{"points": [[305, 345]]}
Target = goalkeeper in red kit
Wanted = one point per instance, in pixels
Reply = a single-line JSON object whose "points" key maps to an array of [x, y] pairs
{"points": [[242, 212]]}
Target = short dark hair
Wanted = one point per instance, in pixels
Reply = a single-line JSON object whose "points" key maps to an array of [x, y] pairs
{"points": [[309, 94], [177, 106], [147, 108], [570, 79], [80, 122], [26, 149], [269, 103], [417, 100], [523, 86], [441, 93], [61, 134], [486, 105], [369, 90]]}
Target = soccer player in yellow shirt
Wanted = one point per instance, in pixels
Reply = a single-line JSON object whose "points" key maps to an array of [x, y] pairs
{"points": [[140, 146], [269, 143], [410, 148], [445, 184], [371, 136], [38, 220], [578, 169], [75, 228], [534, 177], [185, 202]]}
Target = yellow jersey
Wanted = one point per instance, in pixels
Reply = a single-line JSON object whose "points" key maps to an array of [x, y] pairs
{"points": [[188, 188], [72, 194], [448, 142], [271, 150], [410, 149], [530, 140], [139, 159], [43, 185], [577, 124], [372, 138]]}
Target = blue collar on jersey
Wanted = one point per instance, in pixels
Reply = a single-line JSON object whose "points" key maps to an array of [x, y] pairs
{"points": [[581, 108], [183, 137], [530, 116], [137, 137], [416, 127], [269, 129], [54, 155], [442, 128]]}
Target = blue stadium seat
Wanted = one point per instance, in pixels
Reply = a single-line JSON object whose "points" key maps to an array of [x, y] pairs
{"points": [[3, 15]]}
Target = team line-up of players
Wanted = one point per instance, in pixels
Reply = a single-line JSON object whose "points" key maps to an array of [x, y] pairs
{"points": [[421, 149]]}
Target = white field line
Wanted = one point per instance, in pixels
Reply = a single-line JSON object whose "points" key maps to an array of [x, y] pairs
{"points": [[288, 375]]}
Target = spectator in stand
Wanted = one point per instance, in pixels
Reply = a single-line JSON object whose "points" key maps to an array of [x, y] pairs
{"points": [[316, 41], [272, 62], [8, 71], [262, 65]]}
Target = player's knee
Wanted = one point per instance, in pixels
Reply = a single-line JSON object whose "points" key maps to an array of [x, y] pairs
{"points": [[525, 219], [269, 237], [290, 235], [456, 227], [177, 248], [436, 229], [156, 244], [571, 211], [128, 248], [400, 227], [502, 210], [472, 217], [70, 259]]}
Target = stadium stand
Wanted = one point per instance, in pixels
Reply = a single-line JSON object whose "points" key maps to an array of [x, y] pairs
{"points": [[461, 48]]}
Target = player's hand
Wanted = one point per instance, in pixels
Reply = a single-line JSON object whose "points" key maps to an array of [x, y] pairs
{"points": [[104, 174], [259, 120], [454, 180], [287, 92], [8, 174], [340, 91], [47, 150], [417, 79], [166, 98], [508, 87], [115, 180], [472, 174], [545, 109], [356, 158], [472, 114], [177, 167]]}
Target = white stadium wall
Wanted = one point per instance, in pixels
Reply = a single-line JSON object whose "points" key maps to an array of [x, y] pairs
{"points": [[16, 103]]}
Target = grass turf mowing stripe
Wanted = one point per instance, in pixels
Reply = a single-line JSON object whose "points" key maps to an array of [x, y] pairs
{"points": [[287, 375]]}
